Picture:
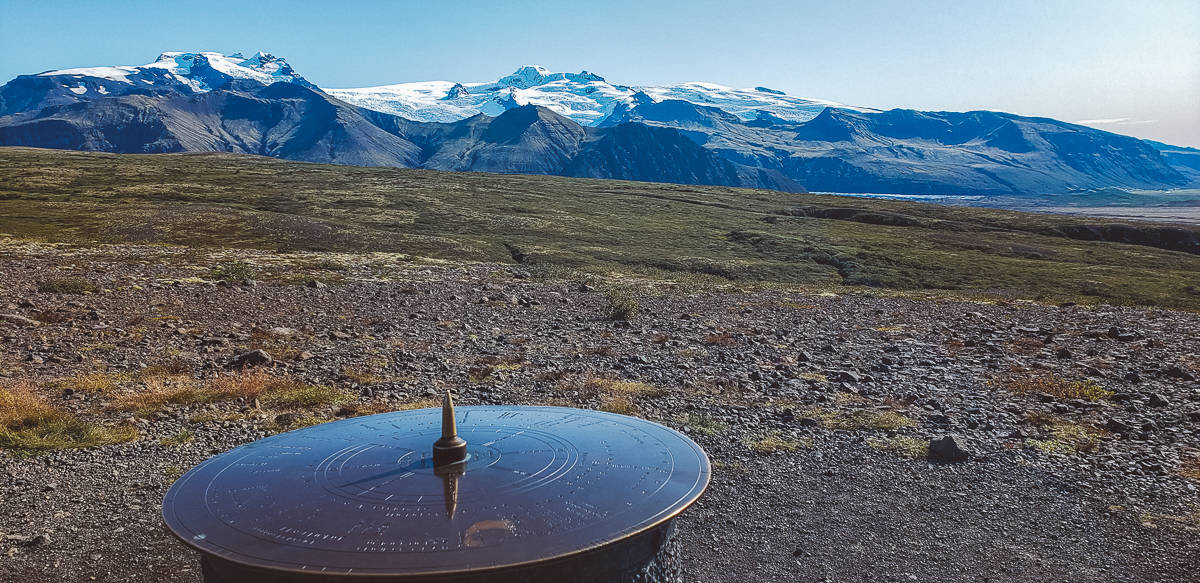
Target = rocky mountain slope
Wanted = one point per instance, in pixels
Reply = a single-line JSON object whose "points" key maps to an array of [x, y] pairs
{"points": [[695, 133]]}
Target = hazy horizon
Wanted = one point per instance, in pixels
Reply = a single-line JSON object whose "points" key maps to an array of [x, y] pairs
{"points": [[1127, 68]]}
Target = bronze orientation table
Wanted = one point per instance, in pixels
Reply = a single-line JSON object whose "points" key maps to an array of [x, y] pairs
{"points": [[482, 493]]}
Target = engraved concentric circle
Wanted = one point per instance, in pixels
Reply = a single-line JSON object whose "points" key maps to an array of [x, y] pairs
{"points": [[360, 496]]}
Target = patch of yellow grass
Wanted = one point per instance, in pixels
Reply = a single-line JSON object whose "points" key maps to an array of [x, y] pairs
{"points": [[774, 443], [180, 438], [29, 424], [362, 377], [703, 424], [249, 385], [1026, 382], [902, 445], [92, 383], [1063, 436], [304, 396], [1190, 469], [619, 404], [720, 339]]}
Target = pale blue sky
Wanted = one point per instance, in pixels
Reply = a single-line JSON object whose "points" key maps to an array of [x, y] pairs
{"points": [[1133, 65]]}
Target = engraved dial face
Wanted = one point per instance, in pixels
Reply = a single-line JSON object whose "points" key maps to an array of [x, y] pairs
{"points": [[361, 496]]}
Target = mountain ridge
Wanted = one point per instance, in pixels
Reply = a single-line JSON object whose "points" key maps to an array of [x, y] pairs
{"points": [[571, 124]]}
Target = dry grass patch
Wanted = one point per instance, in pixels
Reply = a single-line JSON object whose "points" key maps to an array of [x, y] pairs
{"points": [[618, 404], [1187, 520], [361, 377], [177, 439], [600, 351], [1031, 383], [1191, 469], [67, 285], [302, 396], [703, 424], [1062, 436], [862, 419], [621, 304], [168, 368], [615, 396], [720, 339], [775, 443], [101, 383], [30, 424], [279, 391], [903, 446], [377, 407]]}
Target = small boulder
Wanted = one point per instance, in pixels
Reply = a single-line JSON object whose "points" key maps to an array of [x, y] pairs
{"points": [[1174, 371], [948, 449], [1157, 400], [252, 358]]}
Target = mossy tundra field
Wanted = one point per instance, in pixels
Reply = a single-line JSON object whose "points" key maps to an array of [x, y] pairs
{"points": [[670, 232]]}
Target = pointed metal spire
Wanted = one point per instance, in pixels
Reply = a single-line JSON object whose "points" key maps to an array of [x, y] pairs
{"points": [[449, 427], [450, 449]]}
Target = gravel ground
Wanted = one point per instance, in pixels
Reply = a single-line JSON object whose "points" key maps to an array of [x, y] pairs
{"points": [[815, 409]]}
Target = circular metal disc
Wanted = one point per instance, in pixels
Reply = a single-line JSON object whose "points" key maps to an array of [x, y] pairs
{"points": [[360, 496]]}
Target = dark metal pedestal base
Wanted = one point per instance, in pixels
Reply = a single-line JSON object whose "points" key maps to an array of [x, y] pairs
{"points": [[649, 557]]}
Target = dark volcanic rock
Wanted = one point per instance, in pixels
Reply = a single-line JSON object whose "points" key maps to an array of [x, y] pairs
{"points": [[252, 358], [948, 449]]}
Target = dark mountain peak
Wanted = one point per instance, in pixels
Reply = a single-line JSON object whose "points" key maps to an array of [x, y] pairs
{"points": [[518, 122], [831, 125], [683, 112], [456, 91], [769, 90]]}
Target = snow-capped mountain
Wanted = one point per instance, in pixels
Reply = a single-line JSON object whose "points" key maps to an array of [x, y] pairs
{"points": [[571, 124], [584, 97], [196, 70], [175, 72]]}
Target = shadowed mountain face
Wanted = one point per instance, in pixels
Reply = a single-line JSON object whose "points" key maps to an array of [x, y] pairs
{"points": [[535, 140], [292, 121], [280, 120], [920, 152]]}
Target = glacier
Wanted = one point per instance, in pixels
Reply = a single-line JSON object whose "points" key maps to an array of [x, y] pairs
{"points": [[584, 97]]}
